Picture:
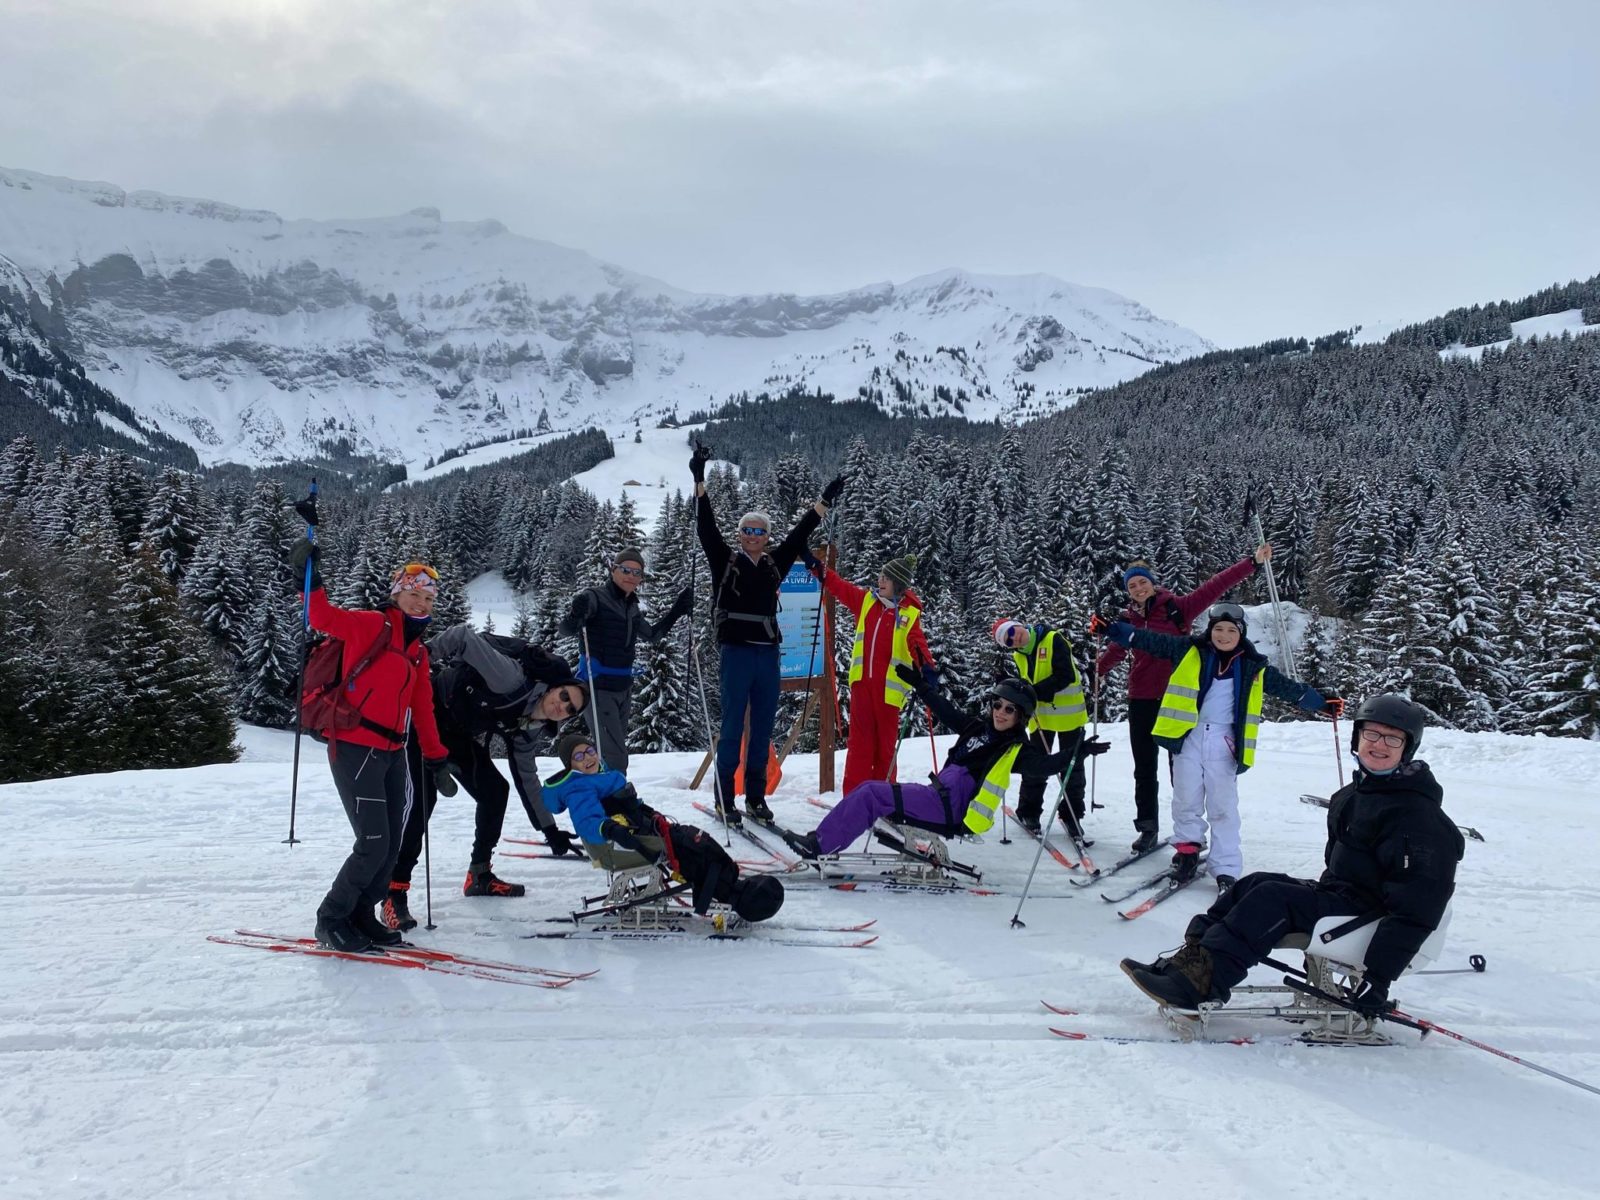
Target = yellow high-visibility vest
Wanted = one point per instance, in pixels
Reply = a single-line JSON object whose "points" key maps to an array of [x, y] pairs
{"points": [[1066, 710], [991, 794], [1180, 708], [895, 691]]}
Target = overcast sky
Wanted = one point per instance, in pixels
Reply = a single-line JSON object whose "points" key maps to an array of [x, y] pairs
{"points": [[1250, 170]]}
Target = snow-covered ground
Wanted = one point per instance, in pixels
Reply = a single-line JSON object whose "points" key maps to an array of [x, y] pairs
{"points": [[141, 1060], [1549, 325]]}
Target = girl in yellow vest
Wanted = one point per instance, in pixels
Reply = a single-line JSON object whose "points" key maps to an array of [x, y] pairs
{"points": [[1043, 657], [967, 793], [1209, 718]]}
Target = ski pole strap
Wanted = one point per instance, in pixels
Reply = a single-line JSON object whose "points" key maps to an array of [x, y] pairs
{"points": [[899, 802]]}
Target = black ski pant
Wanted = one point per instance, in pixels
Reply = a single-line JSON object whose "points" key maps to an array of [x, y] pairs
{"points": [[1248, 921], [476, 773], [375, 787], [1146, 765], [612, 710], [1030, 797]]}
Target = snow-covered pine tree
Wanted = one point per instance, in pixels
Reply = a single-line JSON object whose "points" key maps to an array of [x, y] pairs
{"points": [[172, 526], [218, 587], [1563, 691], [175, 703], [270, 667], [660, 720]]}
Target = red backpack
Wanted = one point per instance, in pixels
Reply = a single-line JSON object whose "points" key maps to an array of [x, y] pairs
{"points": [[325, 706]]}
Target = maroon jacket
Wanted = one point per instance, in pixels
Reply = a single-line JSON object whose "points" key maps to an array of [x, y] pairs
{"points": [[1148, 678]]}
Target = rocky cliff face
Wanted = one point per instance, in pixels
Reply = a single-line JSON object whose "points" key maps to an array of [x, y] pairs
{"points": [[252, 337]]}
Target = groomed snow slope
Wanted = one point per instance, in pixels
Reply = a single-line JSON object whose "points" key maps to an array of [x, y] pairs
{"points": [[142, 1061]]}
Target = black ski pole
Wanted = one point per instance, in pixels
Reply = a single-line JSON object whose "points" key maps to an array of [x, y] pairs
{"points": [[307, 508], [705, 707], [427, 853], [1044, 841]]}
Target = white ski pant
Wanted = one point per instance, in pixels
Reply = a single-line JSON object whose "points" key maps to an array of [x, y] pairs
{"points": [[1205, 787]]}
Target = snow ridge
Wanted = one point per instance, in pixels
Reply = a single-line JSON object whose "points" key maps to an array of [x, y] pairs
{"points": [[254, 337]]}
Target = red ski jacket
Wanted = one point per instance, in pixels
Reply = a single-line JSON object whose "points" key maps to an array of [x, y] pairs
{"points": [[878, 636], [396, 684], [1147, 679]]}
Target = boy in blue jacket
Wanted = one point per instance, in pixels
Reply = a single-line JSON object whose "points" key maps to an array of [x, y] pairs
{"points": [[1208, 719], [621, 832]]}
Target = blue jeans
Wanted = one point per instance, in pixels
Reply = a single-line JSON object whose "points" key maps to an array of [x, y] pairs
{"points": [[749, 678]]}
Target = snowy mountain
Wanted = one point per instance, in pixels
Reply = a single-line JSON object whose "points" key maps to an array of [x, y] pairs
{"points": [[253, 337]]}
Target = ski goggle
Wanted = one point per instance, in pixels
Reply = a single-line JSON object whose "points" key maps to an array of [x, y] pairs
{"points": [[414, 577], [752, 531], [1225, 612]]}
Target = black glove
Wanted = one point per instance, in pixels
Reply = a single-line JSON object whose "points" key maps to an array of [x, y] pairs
{"points": [[812, 562], [304, 551], [583, 606], [831, 492], [444, 781], [307, 509], [698, 461], [911, 676], [684, 604], [1372, 998], [1092, 746], [560, 841]]}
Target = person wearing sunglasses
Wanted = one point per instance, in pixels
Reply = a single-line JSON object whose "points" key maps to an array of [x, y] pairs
{"points": [[1391, 856], [744, 606], [1153, 607], [964, 797], [1208, 719], [610, 617], [485, 687], [619, 832], [384, 697]]}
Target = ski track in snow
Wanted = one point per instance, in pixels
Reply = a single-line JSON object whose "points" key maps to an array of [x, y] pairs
{"points": [[142, 1061]]}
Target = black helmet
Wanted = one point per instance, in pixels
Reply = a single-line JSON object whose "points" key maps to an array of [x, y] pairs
{"points": [[1017, 692], [1227, 612], [1391, 709], [757, 897]]}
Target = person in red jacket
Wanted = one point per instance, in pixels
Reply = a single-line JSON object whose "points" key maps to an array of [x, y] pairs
{"points": [[888, 619], [1153, 607], [393, 693]]}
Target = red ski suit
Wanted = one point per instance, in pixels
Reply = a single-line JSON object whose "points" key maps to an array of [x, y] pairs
{"points": [[394, 685], [874, 722]]}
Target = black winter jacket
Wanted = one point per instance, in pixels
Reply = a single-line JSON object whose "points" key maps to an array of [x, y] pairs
{"points": [[1392, 850], [980, 745], [615, 624], [742, 589]]}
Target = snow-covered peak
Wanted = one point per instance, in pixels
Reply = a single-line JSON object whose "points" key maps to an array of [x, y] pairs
{"points": [[254, 336]]}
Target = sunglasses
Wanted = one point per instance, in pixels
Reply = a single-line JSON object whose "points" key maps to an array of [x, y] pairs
{"points": [[752, 531], [631, 572], [1003, 706], [1392, 740], [416, 569], [585, 754]]}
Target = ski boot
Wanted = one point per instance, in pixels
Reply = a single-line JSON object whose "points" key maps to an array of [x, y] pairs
{"points": [[757, 810], [730, 815], [804, 844], [1147, 841], [373, 929], [1029, 823], [396, 911], [481, 881], [1185, 863], [337, 933], [1225, 884]]}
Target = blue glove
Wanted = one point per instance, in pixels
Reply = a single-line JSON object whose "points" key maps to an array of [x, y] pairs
{"points": [[1120, 632], [930, 677], [1312, 700]]}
